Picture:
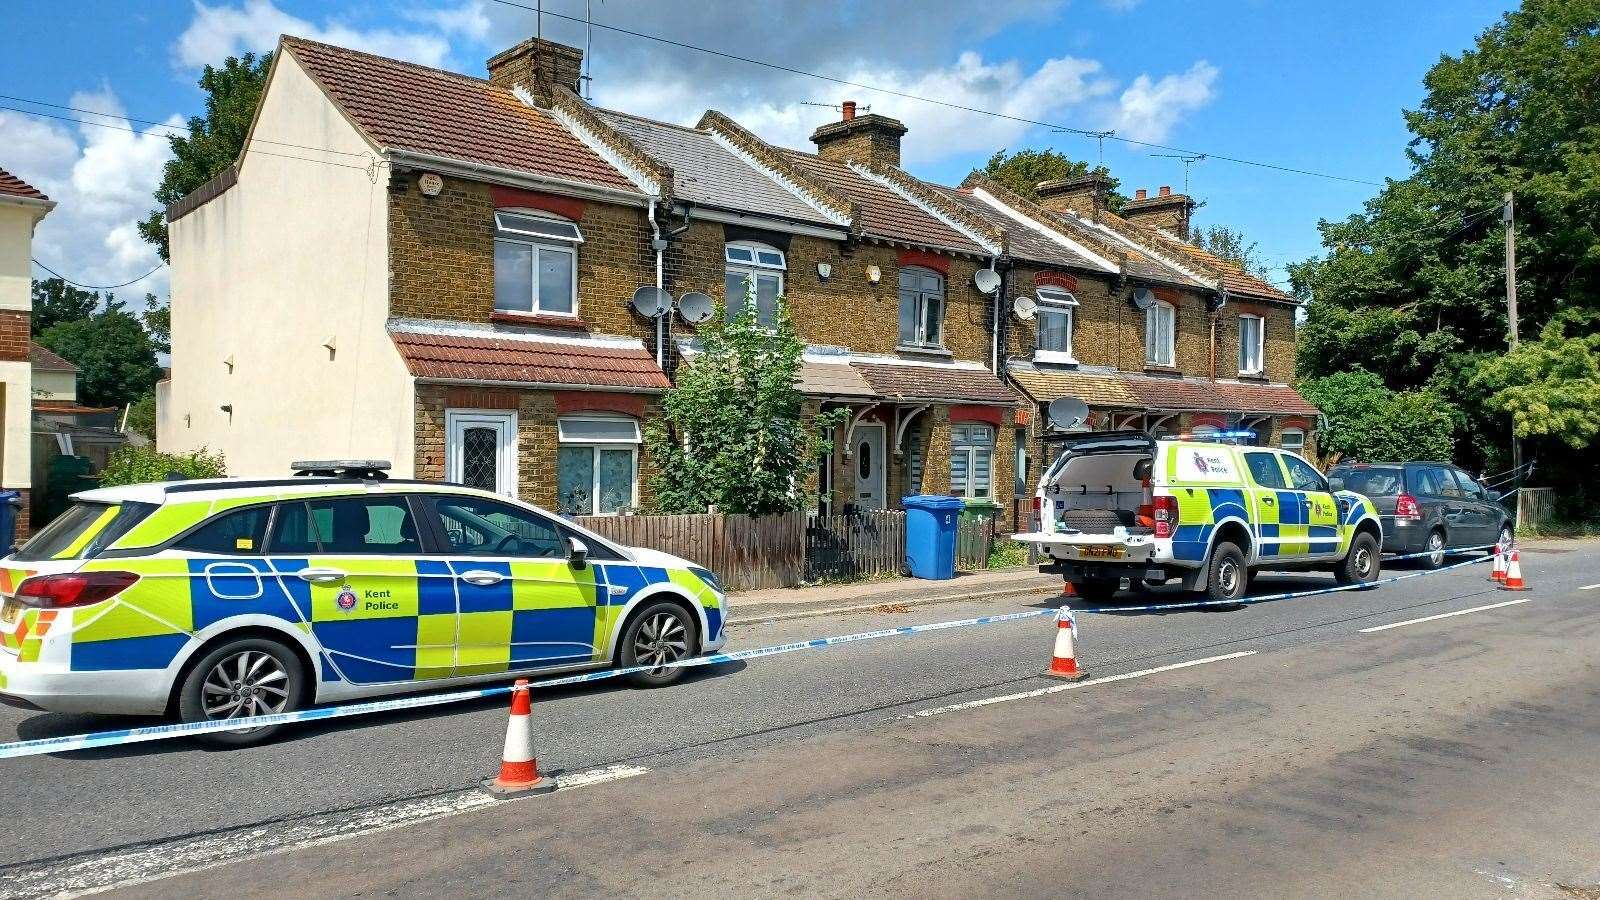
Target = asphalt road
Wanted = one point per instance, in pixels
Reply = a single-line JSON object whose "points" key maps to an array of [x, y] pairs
{"points": [[1317, 689]]}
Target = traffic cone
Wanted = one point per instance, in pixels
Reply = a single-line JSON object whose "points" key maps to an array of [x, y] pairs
{"points": [[519, 771], [1498, 572], [1513, 580], [1067, 590], [1064, 662]]}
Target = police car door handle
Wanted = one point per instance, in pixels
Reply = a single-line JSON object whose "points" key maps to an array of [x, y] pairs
{"points": [[320, 576], [481, 578], [1269, 501]]}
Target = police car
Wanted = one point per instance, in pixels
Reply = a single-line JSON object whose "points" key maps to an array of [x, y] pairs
{"points": [[1119, 508], [215, 599]]}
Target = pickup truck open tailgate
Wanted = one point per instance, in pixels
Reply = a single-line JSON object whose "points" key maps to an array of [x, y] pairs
{"points": [[1099, 547]]}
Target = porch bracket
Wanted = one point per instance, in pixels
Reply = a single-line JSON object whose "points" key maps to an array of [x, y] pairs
{"points": [[905, 421], [850, 432]]}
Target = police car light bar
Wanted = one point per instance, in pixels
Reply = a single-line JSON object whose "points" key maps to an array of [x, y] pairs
{"points": [[364, 469], [1233, 436]]}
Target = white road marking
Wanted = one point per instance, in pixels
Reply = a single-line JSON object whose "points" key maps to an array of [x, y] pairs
{"points": [[1590, 587], [153, 862], [1071, 686], [1459, 612]]}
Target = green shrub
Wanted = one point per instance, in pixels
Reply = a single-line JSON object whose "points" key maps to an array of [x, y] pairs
{"points": [[136, 465]]}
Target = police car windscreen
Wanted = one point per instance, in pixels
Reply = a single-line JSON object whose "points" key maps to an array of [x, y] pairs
{"points": [[1372, 482]]}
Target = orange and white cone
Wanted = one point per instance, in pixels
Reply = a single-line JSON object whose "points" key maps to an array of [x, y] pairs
{"points": [[1498, 572], [1064, 662], [1067, 590], [1513, 580], [519, 770]]}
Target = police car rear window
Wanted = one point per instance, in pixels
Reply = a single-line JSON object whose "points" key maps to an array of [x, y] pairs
{"points": [[83, 530]]}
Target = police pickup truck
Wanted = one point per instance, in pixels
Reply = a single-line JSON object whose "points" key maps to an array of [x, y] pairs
{"points": [[1119, 508]]}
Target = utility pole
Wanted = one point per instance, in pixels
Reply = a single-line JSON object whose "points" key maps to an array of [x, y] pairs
{"points": [[1509, 216]]}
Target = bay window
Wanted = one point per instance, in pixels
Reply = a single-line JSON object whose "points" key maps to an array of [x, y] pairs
{"points": [[1054, 326], [753, 269], [971, 460], [921, 307], [535, 263], [597, 465], [1159, 322]]}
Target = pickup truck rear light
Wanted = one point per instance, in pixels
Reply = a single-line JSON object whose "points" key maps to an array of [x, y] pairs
{"points": [[1405, 507], [1037, 521], [1165, 512], [73, 588]]}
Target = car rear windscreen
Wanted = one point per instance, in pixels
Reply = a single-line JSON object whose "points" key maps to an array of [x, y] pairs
{"points": [[1375, 481], [83, 530]]}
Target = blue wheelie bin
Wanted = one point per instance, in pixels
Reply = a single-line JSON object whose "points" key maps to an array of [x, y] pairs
{"points": [[931, 522], [10, 511]]}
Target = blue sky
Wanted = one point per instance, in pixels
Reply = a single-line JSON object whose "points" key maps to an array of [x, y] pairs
{"points": [[1308, 85]]}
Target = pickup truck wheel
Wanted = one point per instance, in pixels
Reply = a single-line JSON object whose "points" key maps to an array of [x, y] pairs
{"points": [[1229, 577], [1361, 564], [1096, 590]]}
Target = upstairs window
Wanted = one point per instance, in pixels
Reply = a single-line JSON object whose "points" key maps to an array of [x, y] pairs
{"points": [[758, 269], [1250, 334], [1159, 333], [971, 460], [1054, 320], [921, 307], [535, 263]]}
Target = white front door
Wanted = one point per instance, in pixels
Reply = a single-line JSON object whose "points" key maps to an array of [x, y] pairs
{"points": [[480, 450], [869, 462]]}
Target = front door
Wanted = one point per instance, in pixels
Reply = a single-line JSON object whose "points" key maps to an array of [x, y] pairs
{"points": [[520, 603], [481, 450], [869, 464]]}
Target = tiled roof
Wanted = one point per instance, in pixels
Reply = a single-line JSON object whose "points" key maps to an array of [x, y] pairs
{"points": [[12, 186], [1142, 261], [706, 172], [404, 106], [462, 357], [42, 358], [911, 382], [1025, 243], [1096, 390], [1234, 278], [884, 214], [1199, 394], [823, 379]]}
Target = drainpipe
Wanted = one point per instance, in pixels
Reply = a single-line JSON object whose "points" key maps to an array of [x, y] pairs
{"points": [[660, 247], [1214, 346], [994, 333]]}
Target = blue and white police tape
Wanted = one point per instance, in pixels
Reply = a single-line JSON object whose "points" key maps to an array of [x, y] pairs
{"points": [[123, 736]]}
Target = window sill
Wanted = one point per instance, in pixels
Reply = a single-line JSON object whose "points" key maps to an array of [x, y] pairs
{"points": [[923, 350], [1055, 357], [1253, 376], [544, 320], [1162, 370]]}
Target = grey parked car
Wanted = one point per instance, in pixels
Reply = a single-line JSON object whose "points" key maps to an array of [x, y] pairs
{"points": [[1426, 507]]}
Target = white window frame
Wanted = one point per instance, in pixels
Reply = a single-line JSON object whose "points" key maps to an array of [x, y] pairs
{"points": [[1055, 302], [456, 421], [971, 449], [1166, 354], [537, 243], [1300, 440], [1259, 349], [750, 269], [920, 339], [598, 444]]}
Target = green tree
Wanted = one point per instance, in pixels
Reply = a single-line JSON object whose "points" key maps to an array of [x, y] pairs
{"points": [[157, 319], [142, 416], [1550, 387], [1022, 171], [1413, 286], [1362, 419], [1233, 246], [138, 465], [214, 140], [734, 434], [114, 354], [55, 301]]}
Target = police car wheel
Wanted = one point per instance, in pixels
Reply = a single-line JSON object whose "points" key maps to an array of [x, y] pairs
{"points": [[245, 677], [1362, 564], [1229, 576], [660, 634]]}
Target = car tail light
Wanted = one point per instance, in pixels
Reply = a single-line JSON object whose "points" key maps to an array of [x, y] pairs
{"points": [[1405, 507], [1038, 521], [73, 588], [1165, 513]]}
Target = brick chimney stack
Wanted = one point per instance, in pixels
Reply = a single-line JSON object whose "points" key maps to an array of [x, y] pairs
{"points": [[537, 65], [870, 139], [1086, 195], [1167, 211]]}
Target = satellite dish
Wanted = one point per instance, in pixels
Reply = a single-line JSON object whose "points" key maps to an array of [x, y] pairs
{"points": [[1025, 307], [1068, 413], [651, 301], [1142, 298], [987, 280], [696, 307]]}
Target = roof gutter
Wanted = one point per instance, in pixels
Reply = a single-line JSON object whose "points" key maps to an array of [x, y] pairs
{"points": [[542, 385], [515, 178], [41, 207], [697, 211]]}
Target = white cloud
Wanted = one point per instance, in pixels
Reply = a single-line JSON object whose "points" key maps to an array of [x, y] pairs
{"points": [[1148, 110], [220, 31], [469, 20], [102, 179]]}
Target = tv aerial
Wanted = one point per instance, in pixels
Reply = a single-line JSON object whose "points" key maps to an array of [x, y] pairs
{"points": [[650, 301], [1068, 413], [696, 307], [987, 280]]}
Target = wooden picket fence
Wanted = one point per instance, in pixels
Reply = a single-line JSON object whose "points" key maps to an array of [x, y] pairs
{"points": [[751, 553]]}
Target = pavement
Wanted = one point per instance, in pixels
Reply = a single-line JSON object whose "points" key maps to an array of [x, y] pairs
{"points": [[1441, 757]]}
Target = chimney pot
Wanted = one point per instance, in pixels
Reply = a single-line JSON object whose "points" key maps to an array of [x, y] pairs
{"points": [[1140, 194], [849, 108], [1166, 190]]}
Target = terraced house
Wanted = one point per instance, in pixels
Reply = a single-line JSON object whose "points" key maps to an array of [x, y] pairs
{"points": [[437, 269]]}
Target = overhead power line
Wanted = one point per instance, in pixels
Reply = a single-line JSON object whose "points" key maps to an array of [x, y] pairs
{"points": [[96, 287], [948, 104]]}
